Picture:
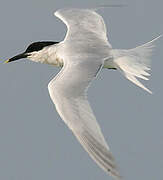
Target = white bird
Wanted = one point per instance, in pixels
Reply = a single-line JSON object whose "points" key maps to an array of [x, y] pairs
{"points": [[82, 55]]}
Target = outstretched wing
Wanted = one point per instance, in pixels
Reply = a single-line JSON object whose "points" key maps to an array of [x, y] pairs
{"points": [[83, 24], [68, 92]]}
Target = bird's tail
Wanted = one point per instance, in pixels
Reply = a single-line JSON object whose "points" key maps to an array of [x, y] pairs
{"points": [[134, 63]]}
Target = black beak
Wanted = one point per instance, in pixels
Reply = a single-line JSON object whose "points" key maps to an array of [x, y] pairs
{"points": [[19, 56]]}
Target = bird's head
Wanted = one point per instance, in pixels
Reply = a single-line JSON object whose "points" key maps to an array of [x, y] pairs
{"points": [[32, 51]]}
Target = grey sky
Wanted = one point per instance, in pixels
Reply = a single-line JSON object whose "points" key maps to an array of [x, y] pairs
{"points": [[34, 142]]}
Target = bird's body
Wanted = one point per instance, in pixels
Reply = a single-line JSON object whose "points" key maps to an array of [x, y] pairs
{"points": [[50, 55], [82, 54]]}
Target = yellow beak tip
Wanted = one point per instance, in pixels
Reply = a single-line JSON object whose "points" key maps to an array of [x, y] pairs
{"points": [[6, 61]]}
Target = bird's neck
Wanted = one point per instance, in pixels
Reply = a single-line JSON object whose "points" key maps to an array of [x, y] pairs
{"points": [[47, 55]]}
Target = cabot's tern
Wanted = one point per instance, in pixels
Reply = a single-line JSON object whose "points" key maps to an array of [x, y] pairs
{"points": [[83, 53]]}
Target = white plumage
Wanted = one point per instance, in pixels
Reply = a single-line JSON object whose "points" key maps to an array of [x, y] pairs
{"points": [[85, 50], [82, 54]]}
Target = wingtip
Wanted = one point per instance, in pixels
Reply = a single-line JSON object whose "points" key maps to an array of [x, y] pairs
{"points": [[110, 6], [115, 174]]}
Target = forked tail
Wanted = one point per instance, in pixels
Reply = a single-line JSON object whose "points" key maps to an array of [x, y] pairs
{"points": [[134, 63]]}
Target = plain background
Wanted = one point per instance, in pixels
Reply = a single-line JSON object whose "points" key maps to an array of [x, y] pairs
{"points": [[34, 142]]}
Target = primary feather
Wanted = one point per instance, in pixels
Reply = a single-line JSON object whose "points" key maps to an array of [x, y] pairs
{"points": [[85, 51]]}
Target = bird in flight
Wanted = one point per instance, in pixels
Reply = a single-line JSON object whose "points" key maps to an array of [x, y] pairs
{"points": [[83, 53]]}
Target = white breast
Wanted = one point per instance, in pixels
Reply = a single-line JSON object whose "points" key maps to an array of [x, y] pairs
{"points": [[53, 57]]}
